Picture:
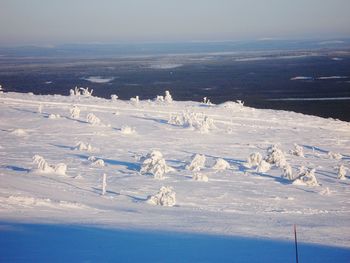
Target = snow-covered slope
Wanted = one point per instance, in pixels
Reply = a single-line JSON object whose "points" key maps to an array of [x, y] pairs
{"points": [[228, 199]]}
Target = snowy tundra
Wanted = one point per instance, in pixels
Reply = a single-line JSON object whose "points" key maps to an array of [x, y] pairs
{"points": [[276, 168]]}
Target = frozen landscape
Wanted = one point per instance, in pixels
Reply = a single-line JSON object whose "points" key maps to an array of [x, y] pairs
{"points": [[222, 170]]}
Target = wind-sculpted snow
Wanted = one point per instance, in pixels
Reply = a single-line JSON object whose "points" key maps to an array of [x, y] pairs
{"points": [[248, 172]]}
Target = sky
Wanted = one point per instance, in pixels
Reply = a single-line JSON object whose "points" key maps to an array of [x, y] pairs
{"points": [[49, 22]]}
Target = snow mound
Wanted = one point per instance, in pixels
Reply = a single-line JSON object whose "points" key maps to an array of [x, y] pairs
{"points": [[154, 164], [54, 116], [165, 197], [127, 130], [198, 162], [28, 201], [298, 150], [96, 162], [335, 156], [74, 112], [92, 119], [200, 177], [221, 164], [81, 146], [307, 177], [19, 132], [41, 166], [276, 156]]}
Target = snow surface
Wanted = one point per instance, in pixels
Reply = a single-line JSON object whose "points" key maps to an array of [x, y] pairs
{"points": [[98, 79], [237, 202]]}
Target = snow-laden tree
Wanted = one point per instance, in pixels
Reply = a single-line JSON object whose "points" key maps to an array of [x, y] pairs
{"points": [[275, 156], [74, 112], [168, 98], [341, 172], [42, 166], [114, 97], [221, 164], [165, 197], [196, 121], [288, 172], [306, 177], [81, 146], [197, 163], [127, 130], [154, 163], [81, 92], [263, 167], [135, 100], [254, 160], [104, 183], [92, 119], [298, 150]]}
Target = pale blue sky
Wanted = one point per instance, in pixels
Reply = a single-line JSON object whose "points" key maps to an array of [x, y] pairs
{"points": [[111, 21]]}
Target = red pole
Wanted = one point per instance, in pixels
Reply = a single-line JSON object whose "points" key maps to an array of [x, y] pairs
{"points": [[296, 244]]}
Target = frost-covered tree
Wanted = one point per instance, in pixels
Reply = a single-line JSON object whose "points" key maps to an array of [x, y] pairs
{"points": [[43, 167], [135, 100], [165, 197], [221, 164], [74, 112], [275, 156], [40, 108], [341, 172], [81, 146], [254, 159], [168, 98], [288, 172], [104, 183], [154, 164], [127, 130], [263, 167], [197, 163], [298, 150], [193, 120], [114, 97], [307, 178], [92, 119]]}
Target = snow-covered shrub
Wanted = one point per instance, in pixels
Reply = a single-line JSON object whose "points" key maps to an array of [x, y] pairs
{"points": [[43, 167], [165, 197], [193, 120], [154, 163], [127, 130], [168, 98], [275, 156], [288, 172], [221, 164], [198, 162], [74, 112], [104, 184], [81, 91], [254, 159], [200, 177], [298, 150], [81, 146], [92, 119], [240, 103], [333, 155], [341, 172], [19, 132], [307, 177], [263, 167], [135, 100], [159, 98], [54, 116], [207, 101], [114, 97], [96, 162], [1, 90]]}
